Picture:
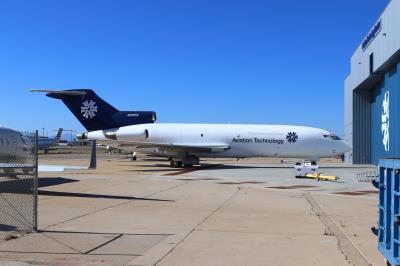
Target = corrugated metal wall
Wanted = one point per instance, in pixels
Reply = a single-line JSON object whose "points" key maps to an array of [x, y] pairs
{"points": [[361, 126], [391, 84]]}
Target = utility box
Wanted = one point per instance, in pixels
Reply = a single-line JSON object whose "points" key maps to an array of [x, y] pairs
{"points": [[389, 210]]}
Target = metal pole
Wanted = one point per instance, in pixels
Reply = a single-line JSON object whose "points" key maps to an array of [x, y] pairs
{"points": [[35, 183], [93, 157]]}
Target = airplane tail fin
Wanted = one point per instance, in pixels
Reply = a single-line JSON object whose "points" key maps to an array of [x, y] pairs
{"points": [[96, 114], [58, 136]]}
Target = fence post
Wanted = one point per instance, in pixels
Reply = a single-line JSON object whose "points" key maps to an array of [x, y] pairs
{"points": [[35, 182]]}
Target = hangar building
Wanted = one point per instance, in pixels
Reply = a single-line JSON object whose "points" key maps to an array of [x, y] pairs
{"points": [[372, 92]]}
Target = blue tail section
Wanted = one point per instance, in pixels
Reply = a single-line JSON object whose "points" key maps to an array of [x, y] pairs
{"points": [[58, 136], [96, 114]]}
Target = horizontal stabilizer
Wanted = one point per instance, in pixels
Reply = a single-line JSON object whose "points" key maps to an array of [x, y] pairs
{"points": [[69, 93]]}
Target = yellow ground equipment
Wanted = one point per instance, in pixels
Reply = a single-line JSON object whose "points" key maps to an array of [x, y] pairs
{"points": [[308, 169], [322, 177]]}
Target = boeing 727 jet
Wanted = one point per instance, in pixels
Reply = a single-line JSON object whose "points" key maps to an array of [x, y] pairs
{"points": [[185, 144]]}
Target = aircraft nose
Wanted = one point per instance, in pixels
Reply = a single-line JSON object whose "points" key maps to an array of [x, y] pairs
{"points": [[346, 146]]}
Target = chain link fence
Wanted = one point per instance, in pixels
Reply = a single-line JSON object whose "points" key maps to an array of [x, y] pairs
{"points": [[18, 184], [367, 176]]}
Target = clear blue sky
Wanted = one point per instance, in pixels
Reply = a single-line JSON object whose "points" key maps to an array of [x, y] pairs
{"points": [[269, 62]]}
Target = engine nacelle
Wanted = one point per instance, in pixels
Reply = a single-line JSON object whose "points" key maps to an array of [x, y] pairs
{"points": [[131, 134], [124, 133], [94, 135]]}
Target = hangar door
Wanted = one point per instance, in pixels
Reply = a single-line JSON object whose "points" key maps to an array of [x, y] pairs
{"points": [[385, 117]]}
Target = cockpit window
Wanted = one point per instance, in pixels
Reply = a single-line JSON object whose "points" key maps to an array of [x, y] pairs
{"points": [[332, 137]]}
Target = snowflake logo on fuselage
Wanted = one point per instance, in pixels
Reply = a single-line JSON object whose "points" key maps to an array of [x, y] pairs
{"points": [[89, 109], [292, 137]]}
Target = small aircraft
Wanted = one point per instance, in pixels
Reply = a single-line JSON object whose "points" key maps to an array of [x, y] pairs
{"points": [[16, 152], [45, 143], [13, 145], [185, 144]]}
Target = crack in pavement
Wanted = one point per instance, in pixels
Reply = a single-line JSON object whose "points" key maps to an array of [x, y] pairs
{"points": [[346, 246], [220, 206]]}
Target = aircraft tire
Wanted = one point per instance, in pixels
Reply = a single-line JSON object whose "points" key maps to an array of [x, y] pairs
{"points": [[175, 164]]}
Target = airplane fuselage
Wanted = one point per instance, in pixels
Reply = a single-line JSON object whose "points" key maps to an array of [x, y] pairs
{"points": [[244, 141], [13, 146]]}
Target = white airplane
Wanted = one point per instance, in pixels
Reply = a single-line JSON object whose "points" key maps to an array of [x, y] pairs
{"points": [[15, 151], [13, 145], [185, 144], [17, 155]]}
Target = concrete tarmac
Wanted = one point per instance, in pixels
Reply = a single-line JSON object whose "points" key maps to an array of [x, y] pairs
{"points": [[251, 212]]}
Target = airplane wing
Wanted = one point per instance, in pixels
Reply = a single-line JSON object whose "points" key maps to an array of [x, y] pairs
{"points": [[187, 147]]}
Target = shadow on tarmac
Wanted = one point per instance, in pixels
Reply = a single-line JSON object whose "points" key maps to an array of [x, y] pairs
{"points": [[94, 196], [52, 181], [53, 235], [7, 228], [211, 167]]}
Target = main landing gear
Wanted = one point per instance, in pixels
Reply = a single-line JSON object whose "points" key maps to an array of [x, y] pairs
{"points": [[175, 164], [188, 161]]}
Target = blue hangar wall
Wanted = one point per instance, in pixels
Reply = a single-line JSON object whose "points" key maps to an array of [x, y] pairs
{"points": [[372, 92], [385, 117]]}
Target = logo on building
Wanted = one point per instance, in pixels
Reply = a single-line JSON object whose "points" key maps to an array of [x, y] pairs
{"points": [[89, 109], [372, 35], [385, 121], [292, 137]]}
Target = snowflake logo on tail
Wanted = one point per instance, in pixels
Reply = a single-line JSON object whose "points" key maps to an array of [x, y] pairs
{"points": [[292, 137], [89, 109]]}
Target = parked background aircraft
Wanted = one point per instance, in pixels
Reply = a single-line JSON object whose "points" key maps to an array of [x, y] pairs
{"points": [[14, 147], [185, 144], [45, 143]]}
